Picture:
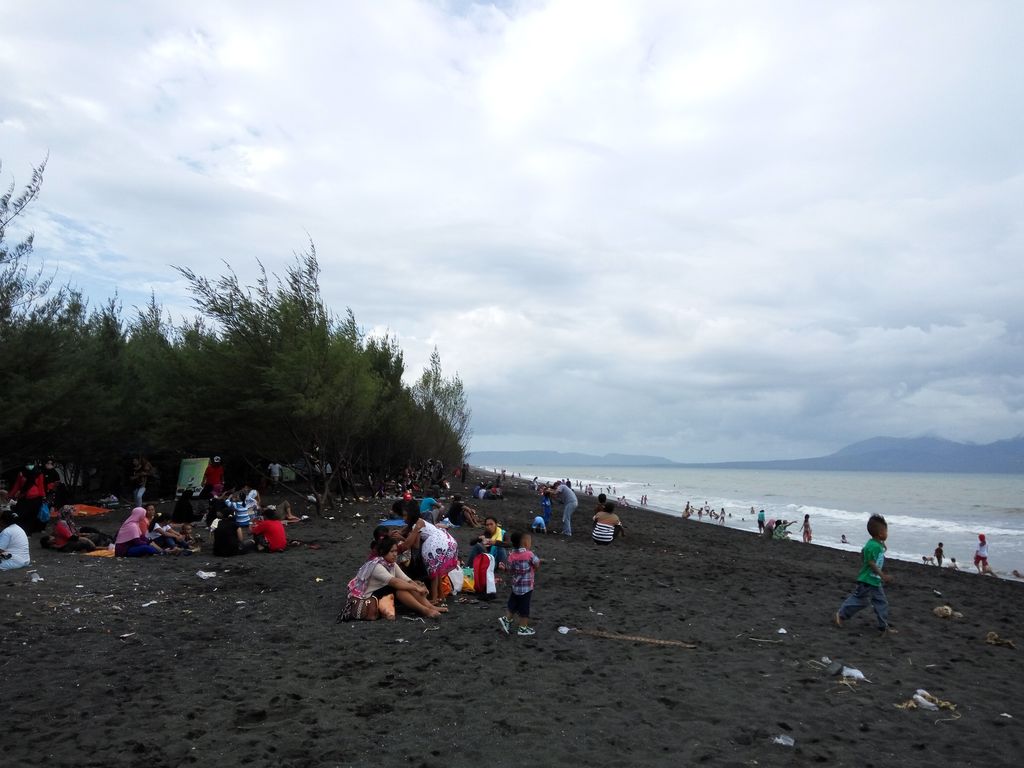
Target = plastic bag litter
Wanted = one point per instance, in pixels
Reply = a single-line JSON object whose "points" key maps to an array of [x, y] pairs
{"points": [[564, 630], [781, 631], [924, 700], [206, 574], [36, 577], [853, 674], [784, 740]]}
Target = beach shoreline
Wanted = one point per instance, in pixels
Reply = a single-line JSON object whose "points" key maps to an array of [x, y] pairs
{"points": [[250, 667], [913, 543]]}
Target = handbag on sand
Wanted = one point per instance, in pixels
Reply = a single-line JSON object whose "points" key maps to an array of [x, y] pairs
{"points": [[360, 609]]}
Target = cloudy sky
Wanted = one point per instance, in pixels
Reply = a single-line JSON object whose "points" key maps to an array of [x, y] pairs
{"points": [[701, 230]]}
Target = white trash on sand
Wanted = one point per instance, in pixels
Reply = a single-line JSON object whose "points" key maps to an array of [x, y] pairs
{"points": [[853, 674]]}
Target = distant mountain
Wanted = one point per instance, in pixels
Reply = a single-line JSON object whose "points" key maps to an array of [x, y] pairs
{"points": [[558, 459], [896, 454], [877, 454]]}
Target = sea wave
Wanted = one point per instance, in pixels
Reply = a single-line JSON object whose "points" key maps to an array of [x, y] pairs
{"points": [[906, 521]]}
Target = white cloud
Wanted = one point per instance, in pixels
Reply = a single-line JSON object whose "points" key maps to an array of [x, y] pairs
{"points": [[728, 230]]}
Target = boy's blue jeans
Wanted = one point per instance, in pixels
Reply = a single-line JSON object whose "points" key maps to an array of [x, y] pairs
{"points": [[863, 596]]}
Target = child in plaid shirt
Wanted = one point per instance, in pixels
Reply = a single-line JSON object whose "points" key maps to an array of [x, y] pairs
{"points": [[522, 565]]}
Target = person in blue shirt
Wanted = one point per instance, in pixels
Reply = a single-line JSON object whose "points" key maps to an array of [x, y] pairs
{"points": [[545, 507], [428, 508]]}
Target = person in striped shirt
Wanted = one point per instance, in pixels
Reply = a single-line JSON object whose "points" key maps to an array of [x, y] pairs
{"points": [[607, 525]]}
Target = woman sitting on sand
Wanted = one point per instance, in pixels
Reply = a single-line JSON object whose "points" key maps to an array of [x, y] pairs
{"points": [[226, 540], [131, 538], [780, 531], [65, 535], [438, 550], [381, 576], [13, 542], [607, 525], [183, 511]]}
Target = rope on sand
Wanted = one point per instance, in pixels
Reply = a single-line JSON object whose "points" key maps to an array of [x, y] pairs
{"points": [[993, 639], [633, 638]]}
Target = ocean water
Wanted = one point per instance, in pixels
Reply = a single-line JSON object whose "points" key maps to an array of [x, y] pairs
{"points": [[922, 509]]}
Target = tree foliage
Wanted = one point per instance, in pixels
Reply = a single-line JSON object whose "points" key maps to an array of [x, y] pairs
{"points": [[262, 372]]}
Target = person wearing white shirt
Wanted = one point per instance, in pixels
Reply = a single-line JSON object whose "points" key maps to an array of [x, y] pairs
{"points": [[13, 543]]}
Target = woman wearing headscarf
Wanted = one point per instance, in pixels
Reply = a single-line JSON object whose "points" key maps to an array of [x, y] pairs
{"points": [[131, 538], [183, 511]]}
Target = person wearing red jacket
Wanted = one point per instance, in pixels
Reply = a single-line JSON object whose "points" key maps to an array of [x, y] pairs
{"points": [[213, 479], [29, 493], [269, 533]]}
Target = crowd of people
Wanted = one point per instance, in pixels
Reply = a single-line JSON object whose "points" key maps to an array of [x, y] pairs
{"points": [[236, 518], [413, 560]]}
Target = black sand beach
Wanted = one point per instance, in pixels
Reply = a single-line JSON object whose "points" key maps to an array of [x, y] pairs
{"points": [[251, 668]]}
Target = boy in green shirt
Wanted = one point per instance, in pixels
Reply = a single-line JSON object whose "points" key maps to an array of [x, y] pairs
{"points": [[869, 589]]}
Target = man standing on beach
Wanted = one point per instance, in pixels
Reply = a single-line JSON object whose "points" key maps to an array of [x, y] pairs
{"points": [[275, 474], [566, 496]]}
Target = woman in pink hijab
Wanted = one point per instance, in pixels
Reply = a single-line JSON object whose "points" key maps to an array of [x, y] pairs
{"points": [[131, 538]]}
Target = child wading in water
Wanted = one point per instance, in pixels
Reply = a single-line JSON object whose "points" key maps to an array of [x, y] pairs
{"points": [[869, 589], [807, 529], [522, 565]]}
